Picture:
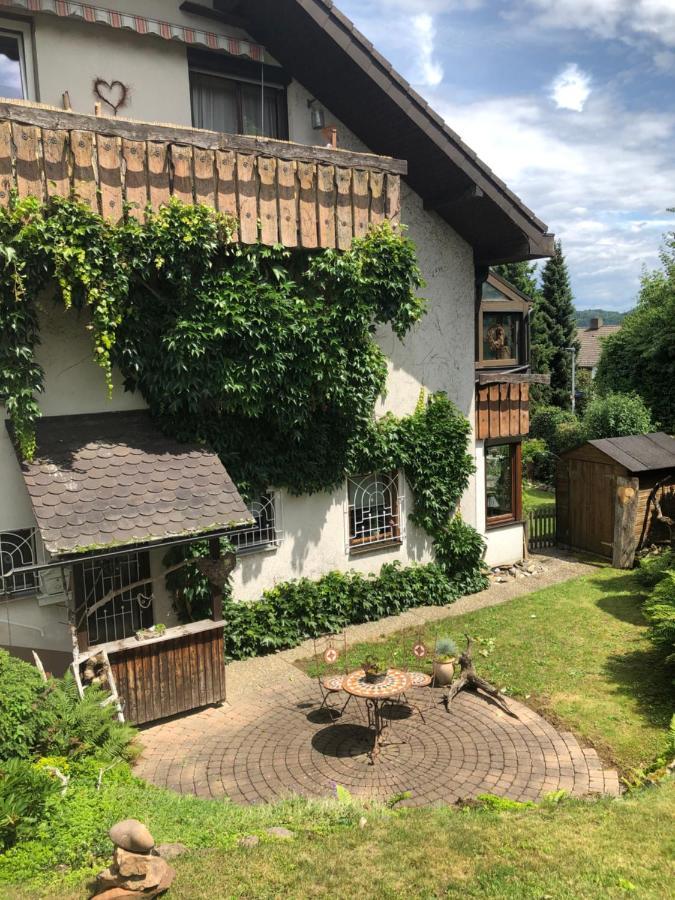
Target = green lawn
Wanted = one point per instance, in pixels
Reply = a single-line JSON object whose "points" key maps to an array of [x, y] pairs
{"points": [[600, 849], [534, 497], [578, 652]]}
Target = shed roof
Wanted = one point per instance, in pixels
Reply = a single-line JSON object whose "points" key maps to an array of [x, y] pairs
{"points": [[113, 479], [590, 341], [640, 452], [327, 54]]}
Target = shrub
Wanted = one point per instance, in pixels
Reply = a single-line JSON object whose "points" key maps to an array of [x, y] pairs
{"points": [[659, 611], [616, 415], [21, 718], [459, 549], [545, 422], [538, 461], [38, 718], [653, 568], [296, 610], [25, 790]]}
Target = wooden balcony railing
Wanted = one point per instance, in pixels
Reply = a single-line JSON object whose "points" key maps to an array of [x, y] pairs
{"points": [[280, 192]]}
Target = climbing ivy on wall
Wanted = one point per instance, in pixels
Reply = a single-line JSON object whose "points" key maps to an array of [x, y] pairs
{"points": [[264, 354]]}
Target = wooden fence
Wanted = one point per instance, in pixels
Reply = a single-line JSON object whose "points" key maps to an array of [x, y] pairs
{"points": [[541, 531], [280, 192]]}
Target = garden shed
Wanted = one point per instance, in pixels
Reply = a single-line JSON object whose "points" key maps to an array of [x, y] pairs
{"points": [[616, 495]]}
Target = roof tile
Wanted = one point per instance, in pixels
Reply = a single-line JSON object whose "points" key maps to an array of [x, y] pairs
{"points": [[114, 478]]}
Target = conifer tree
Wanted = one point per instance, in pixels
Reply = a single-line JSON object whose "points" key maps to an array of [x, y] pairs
{"points": [[555, 327], [521, 275]]}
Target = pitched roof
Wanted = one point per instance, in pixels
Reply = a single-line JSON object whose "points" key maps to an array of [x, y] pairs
{"points": [[113, 479], [640, 452], [327, 54], [590, 340]]}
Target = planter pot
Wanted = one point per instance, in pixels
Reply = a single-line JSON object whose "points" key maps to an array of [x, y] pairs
{"points": [[372, 678], [443, 672]]}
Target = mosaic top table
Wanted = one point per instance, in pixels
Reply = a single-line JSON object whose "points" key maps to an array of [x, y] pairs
{"points": [[395, 683]]}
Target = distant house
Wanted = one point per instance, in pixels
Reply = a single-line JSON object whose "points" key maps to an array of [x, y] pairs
{"points": [[590, 339]]}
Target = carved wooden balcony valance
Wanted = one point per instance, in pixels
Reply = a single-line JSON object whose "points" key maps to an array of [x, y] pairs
{"points": [[280, 192], [502, 410]]}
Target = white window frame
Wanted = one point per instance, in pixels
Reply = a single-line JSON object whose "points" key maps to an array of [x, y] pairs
{"points": [[24, 32], [368, 546], [19, 580], [273, 537]]}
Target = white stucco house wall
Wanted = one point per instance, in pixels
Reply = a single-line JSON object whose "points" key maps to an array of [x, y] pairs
{"points": [[55, 55]]}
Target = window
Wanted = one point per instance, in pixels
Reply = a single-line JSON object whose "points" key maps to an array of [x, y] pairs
{"points": [[374, 509], [264, 533], [237, 106], [502, 483], [16, 70], [17, 552], [126, 612], [502, 332]]}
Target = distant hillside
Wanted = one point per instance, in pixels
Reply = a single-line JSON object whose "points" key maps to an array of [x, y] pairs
{"points": [[608, 316]]}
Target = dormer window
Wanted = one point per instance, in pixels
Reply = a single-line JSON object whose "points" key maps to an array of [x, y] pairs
{"points": [[502, 325]]}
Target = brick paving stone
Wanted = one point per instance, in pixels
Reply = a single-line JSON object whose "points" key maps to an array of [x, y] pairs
{"points": [[258, 751]]}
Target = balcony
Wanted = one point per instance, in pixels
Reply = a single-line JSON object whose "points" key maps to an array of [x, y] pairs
{"points": [[280, 192]]}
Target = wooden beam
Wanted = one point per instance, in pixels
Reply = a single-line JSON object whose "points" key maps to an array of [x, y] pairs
{"points": [[512, 378], [454, 198], [55, 119]]}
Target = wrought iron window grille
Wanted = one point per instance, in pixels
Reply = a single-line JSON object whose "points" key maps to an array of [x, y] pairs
{"points": [[18, 557], [375, 511], [127, 612], [266, 533]]}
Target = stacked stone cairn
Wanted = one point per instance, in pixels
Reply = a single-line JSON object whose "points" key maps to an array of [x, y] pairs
{"points": [[137, 869]]}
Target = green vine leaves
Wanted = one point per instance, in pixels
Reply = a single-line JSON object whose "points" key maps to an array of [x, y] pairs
{"points": [[265, 354]]}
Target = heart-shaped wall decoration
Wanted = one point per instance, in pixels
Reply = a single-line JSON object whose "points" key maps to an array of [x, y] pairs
{"points": [[113, 93]]}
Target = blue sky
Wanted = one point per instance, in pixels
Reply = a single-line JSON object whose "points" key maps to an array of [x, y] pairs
{"points": [[571, 102]]}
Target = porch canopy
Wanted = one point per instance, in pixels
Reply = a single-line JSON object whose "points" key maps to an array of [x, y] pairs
{"points": [[113, 480]]}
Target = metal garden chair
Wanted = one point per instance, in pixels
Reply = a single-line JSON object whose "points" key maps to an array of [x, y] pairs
{"points": [[330, 660]]}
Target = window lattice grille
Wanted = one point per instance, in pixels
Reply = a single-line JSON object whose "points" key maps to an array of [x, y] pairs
{"points": [[17, 552], [128, 611], [265, 532], [374, 510]]}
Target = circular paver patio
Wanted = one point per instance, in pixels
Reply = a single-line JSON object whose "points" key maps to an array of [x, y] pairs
{"points": [[276, 745]]}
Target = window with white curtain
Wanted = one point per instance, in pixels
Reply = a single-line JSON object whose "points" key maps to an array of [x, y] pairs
{"points": [[237, 106]]}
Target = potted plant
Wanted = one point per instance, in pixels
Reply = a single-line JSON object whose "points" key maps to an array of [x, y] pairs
{"points": [[373, 671], [444, 663]]}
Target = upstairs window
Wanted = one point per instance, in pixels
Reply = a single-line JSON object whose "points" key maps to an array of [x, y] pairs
{"points": [[374, 510], [237, 106], [16, 74], [17, 554], [502, 325]]}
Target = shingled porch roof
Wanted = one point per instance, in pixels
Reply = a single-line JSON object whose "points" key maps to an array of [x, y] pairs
{"points": [[113, 479]]}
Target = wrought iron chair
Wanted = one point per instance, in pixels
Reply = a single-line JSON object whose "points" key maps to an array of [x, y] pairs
{"points": [[414, 657], [330, 660]]}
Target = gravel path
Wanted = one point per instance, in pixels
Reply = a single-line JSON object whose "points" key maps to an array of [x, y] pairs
{"points": [[248, 677]]}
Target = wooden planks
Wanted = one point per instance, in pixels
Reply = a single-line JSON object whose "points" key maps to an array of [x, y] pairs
{"points": [[163, 678], [289, 194], [502, 410]]}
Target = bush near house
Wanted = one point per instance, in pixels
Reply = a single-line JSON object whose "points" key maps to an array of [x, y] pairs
{"points": [[616, 415], [40, 718], [297, 610], [658, 574], [611, 415]]}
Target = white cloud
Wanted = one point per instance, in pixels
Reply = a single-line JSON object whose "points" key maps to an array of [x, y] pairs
{"points": [[610, 18], [571, 88], [602, 181], [424, 31]]}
